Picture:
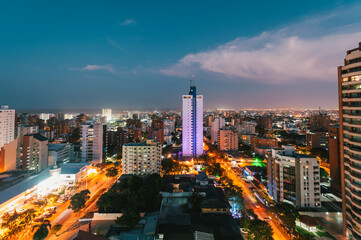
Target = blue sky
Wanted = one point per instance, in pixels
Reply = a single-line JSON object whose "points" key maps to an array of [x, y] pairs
{"points": [[141, 54]]}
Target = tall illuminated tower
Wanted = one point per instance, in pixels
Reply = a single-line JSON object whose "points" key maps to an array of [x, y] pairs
{"points": [[192, 123], [349, 89]]}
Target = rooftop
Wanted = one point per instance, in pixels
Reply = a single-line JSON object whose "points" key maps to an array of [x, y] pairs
{"points": [[22, 186], [72, 168], [38, 136]]}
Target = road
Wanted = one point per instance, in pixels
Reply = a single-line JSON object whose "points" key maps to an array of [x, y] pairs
{"points": [[69, 220], [251, 203]]}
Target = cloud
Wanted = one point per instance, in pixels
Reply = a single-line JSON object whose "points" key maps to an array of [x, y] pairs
{"points": [[128, 22], [282, 56], [115, 44], [94, 68]]}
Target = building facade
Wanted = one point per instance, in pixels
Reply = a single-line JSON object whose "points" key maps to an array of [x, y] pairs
{"points": [[317, 139], [293, 177], [35, 150], [107, 113], [192, 124], [91, 140], [349, 85], [216, 124], [142, 158], [9, 153], [334, 157], [263, 142], [227, 139], [7, 125]]}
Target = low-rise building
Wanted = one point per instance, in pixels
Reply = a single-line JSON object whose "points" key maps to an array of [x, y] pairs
{"points": [[263, 142]]}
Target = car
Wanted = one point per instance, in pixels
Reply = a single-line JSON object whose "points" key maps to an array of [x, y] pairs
{"points": [[21, 210], [244, 230], [38, 219], [258, 206]]}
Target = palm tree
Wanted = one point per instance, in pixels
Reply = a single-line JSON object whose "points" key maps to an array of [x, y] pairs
{"points": [[42, 230]]}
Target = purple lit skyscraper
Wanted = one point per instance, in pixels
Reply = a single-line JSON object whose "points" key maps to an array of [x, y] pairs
{"points": [[192, 123]]}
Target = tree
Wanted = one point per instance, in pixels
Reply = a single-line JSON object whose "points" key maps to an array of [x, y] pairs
{"points": [[287, 213], [323, 173], [56, 228], [130, 218], [111, 172], [260, 230], [168, 165], [257, 228], [42, 230], [77, 202]]}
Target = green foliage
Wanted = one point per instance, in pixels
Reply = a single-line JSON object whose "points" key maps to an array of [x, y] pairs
{"points": [[42, 230], [323, 173], [215, 170], [77, 202], [56, 228], [141, 194], [286, 213], [130, 218], [168, 165], [112, 172], [257, 228]]}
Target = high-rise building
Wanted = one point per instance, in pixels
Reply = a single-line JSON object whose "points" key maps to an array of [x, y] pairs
{"points": [[91, 140], [294, 177], [320, 121], [192, 123], [216, 124], [334, 157], [35, 152], [349, 89], [107, 112], [227, 139], [142, 158], [317, 139], [156, 131], [7, 125]]}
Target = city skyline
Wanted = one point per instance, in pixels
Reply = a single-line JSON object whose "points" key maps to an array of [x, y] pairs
{"points": [[126, 56]]}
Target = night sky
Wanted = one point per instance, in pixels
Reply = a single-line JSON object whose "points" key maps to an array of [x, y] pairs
{"points": [[141, 54]]}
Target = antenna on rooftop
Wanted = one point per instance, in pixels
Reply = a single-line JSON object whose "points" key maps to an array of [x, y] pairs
{"points": [[192, 81]]}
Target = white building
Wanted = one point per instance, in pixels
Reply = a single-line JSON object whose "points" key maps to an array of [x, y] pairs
{"points": [[22, 130], [91, 141], [192, 124], [142, 158], [107, 112], [294, 177], [45, 116], [216, 124], [7, 125], [246, 127], [59, 152]]}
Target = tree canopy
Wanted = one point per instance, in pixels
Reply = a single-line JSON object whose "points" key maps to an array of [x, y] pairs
{"points": [[78, 200], [139, 193]]}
